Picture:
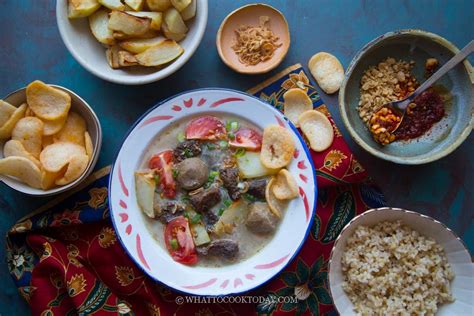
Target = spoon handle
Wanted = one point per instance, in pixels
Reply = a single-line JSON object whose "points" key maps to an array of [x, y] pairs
{"points": [[466, 51]]}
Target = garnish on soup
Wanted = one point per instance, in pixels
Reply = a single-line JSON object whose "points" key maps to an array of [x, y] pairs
{"points": [[205, 183]]}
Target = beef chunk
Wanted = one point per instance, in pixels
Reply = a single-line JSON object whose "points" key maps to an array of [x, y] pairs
{"points": [[260, 219], [170, 210], [192, 173], [210, 219], [186, 149], [230, 179], [257, 188], [222, 248], [204, 200]]}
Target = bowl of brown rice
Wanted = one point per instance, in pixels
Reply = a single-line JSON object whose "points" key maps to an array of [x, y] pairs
{"points": [[390, 261]]}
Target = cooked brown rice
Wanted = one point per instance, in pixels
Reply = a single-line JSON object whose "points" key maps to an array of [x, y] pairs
{"points": [[390, 269]]}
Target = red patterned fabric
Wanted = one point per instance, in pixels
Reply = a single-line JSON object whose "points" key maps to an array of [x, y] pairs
{"points": [[67, 260]]}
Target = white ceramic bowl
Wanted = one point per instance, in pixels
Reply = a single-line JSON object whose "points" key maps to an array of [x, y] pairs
{"points": [[458, 257], [83, 46], [129, 221], [78, 105]]}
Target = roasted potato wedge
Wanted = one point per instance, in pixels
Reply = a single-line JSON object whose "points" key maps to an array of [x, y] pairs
{"points": [[99, 24], [128, 24], [112, 56], [174, 22], [158, 5], [190, 11], [123, 37], [82, 8], [6, 111], [126, 59], [170, 35], [113, 4], [160, 54], [136, 5], [180, 5], [137, 46], [7, 128], [156, 18]]}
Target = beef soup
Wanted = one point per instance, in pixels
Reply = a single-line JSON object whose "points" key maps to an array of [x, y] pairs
{"points": [[206, 192]]}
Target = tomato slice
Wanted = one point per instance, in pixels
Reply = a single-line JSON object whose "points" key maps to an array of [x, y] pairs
{"points": [[247, 138], [184, 250], [163, 163], [206, 127]]}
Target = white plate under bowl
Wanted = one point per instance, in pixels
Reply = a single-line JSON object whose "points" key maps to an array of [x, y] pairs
{"points": [[129, 222], [458, 257], [84, 47]]}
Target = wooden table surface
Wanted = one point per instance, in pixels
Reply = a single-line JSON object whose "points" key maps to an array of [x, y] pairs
{"points": [[31, 48]]}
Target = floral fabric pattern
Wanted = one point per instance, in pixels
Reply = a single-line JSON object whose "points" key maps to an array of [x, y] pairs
{"points": [[65, 259]]}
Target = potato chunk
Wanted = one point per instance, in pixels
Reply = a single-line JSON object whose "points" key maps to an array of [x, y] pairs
{"points": [[158, 5], [136, 5], [156, 18], [99, 24], [128, 24], [137, 46], [180, 5], [160, 54], [174, 22], [82, 8], [190, 11], [113, 4]]}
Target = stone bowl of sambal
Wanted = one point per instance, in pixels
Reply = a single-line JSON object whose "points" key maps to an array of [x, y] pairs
{"points": [[390, 68]]}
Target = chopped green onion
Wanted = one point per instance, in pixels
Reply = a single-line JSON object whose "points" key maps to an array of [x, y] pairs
{"points": [[250, 197], [211, 146], [188, 153], [231, 126], [175, 173], [156, 177], [231, 135], [181, 137], [223, 144], [185, 199], [174, 244], [221, 211], [240, 152], [196, 219], [212, 176], [234, 126], [227, 203]]}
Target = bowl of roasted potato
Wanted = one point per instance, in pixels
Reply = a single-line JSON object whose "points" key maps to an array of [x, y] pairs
{"points": [[50, 139], [132, 42]]}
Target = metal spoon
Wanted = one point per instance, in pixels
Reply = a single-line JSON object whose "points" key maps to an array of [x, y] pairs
{"points": [[399, 107]]}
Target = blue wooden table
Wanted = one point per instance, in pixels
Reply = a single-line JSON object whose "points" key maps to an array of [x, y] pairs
{"points": [[31, 48]]}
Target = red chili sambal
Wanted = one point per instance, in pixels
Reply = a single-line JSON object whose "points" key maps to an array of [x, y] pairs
{"points": [[426, 110]]}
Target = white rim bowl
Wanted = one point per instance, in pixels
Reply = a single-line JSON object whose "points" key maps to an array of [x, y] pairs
{"points": [[78, 105], [153, 258], [83, 46], [456, 251]]}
